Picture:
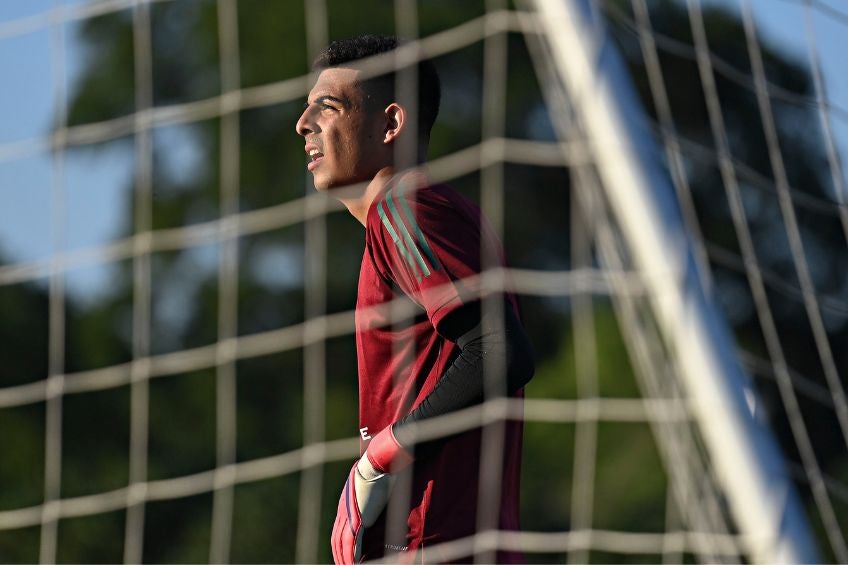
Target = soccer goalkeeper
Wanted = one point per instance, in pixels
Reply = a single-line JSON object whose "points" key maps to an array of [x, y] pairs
{"points": [[421, 241]]}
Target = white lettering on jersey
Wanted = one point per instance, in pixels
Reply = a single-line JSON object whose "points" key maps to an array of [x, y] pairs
{"points": [[364, 433]]}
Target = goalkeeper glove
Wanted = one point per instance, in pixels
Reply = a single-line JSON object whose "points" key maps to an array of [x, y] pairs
{"points": [[365, 495]]}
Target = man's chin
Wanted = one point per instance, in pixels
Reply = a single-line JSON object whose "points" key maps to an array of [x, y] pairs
{"points": [[341, 187], [321, 184], [330, 185]]}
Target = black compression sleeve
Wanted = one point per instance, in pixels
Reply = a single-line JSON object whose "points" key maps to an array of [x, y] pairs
{"points": [[482, 340]]}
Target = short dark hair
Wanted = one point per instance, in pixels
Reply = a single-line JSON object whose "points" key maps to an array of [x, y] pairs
{"points": [[343, 51]]}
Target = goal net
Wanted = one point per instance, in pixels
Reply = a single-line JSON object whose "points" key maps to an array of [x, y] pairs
{"points": [[178, 367]]}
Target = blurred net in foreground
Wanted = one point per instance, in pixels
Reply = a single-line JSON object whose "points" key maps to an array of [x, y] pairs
{"points": [[201, 404]]}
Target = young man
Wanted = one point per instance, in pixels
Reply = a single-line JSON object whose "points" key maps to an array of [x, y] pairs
{"points": [[421, 242]]}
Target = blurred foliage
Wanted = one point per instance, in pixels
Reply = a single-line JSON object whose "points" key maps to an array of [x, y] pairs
{"points": [[630, 482]]}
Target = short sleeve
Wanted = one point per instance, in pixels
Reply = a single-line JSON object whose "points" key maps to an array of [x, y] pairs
{"points": [[427, 242]]}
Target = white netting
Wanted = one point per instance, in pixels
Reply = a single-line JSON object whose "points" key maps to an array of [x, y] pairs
{"points": [[579, 405]]}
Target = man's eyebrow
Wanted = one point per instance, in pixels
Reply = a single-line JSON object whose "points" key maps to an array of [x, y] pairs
{"points": [[324, 98]]}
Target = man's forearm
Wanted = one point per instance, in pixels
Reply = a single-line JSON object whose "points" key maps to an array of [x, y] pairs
{"points": [[489, 343]]}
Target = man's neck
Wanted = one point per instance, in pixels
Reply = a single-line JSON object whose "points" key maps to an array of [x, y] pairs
{"points": [[358, 202], [358, 205]]}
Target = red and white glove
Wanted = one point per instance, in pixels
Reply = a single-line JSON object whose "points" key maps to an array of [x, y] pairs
{"points": [[365, 494]]}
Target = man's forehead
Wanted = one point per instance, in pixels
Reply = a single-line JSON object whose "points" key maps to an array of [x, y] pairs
{"points": [[336, 81]]}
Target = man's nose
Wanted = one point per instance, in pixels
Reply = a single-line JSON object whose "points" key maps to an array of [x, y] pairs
{"points": [[304, 125]]}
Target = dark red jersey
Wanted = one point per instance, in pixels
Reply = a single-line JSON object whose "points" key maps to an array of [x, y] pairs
{"points": [[420, 246]]}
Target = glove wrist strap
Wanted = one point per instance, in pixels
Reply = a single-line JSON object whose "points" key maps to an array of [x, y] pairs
{"points": [[386, 454], [367, 471]]}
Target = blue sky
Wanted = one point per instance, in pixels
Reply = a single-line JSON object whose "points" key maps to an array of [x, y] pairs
{"points": [[95, 184]]}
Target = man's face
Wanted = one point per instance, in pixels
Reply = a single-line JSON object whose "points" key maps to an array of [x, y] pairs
{"points": [[344, 136]]}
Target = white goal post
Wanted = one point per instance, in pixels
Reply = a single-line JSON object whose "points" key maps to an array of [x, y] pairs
{"points": [[748, 463]]}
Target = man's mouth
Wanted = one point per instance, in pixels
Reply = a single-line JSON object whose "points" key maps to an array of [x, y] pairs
{"points": [[315, 157]]}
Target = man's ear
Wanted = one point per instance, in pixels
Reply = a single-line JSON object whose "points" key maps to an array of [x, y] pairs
{"points": [[395, 121]]}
